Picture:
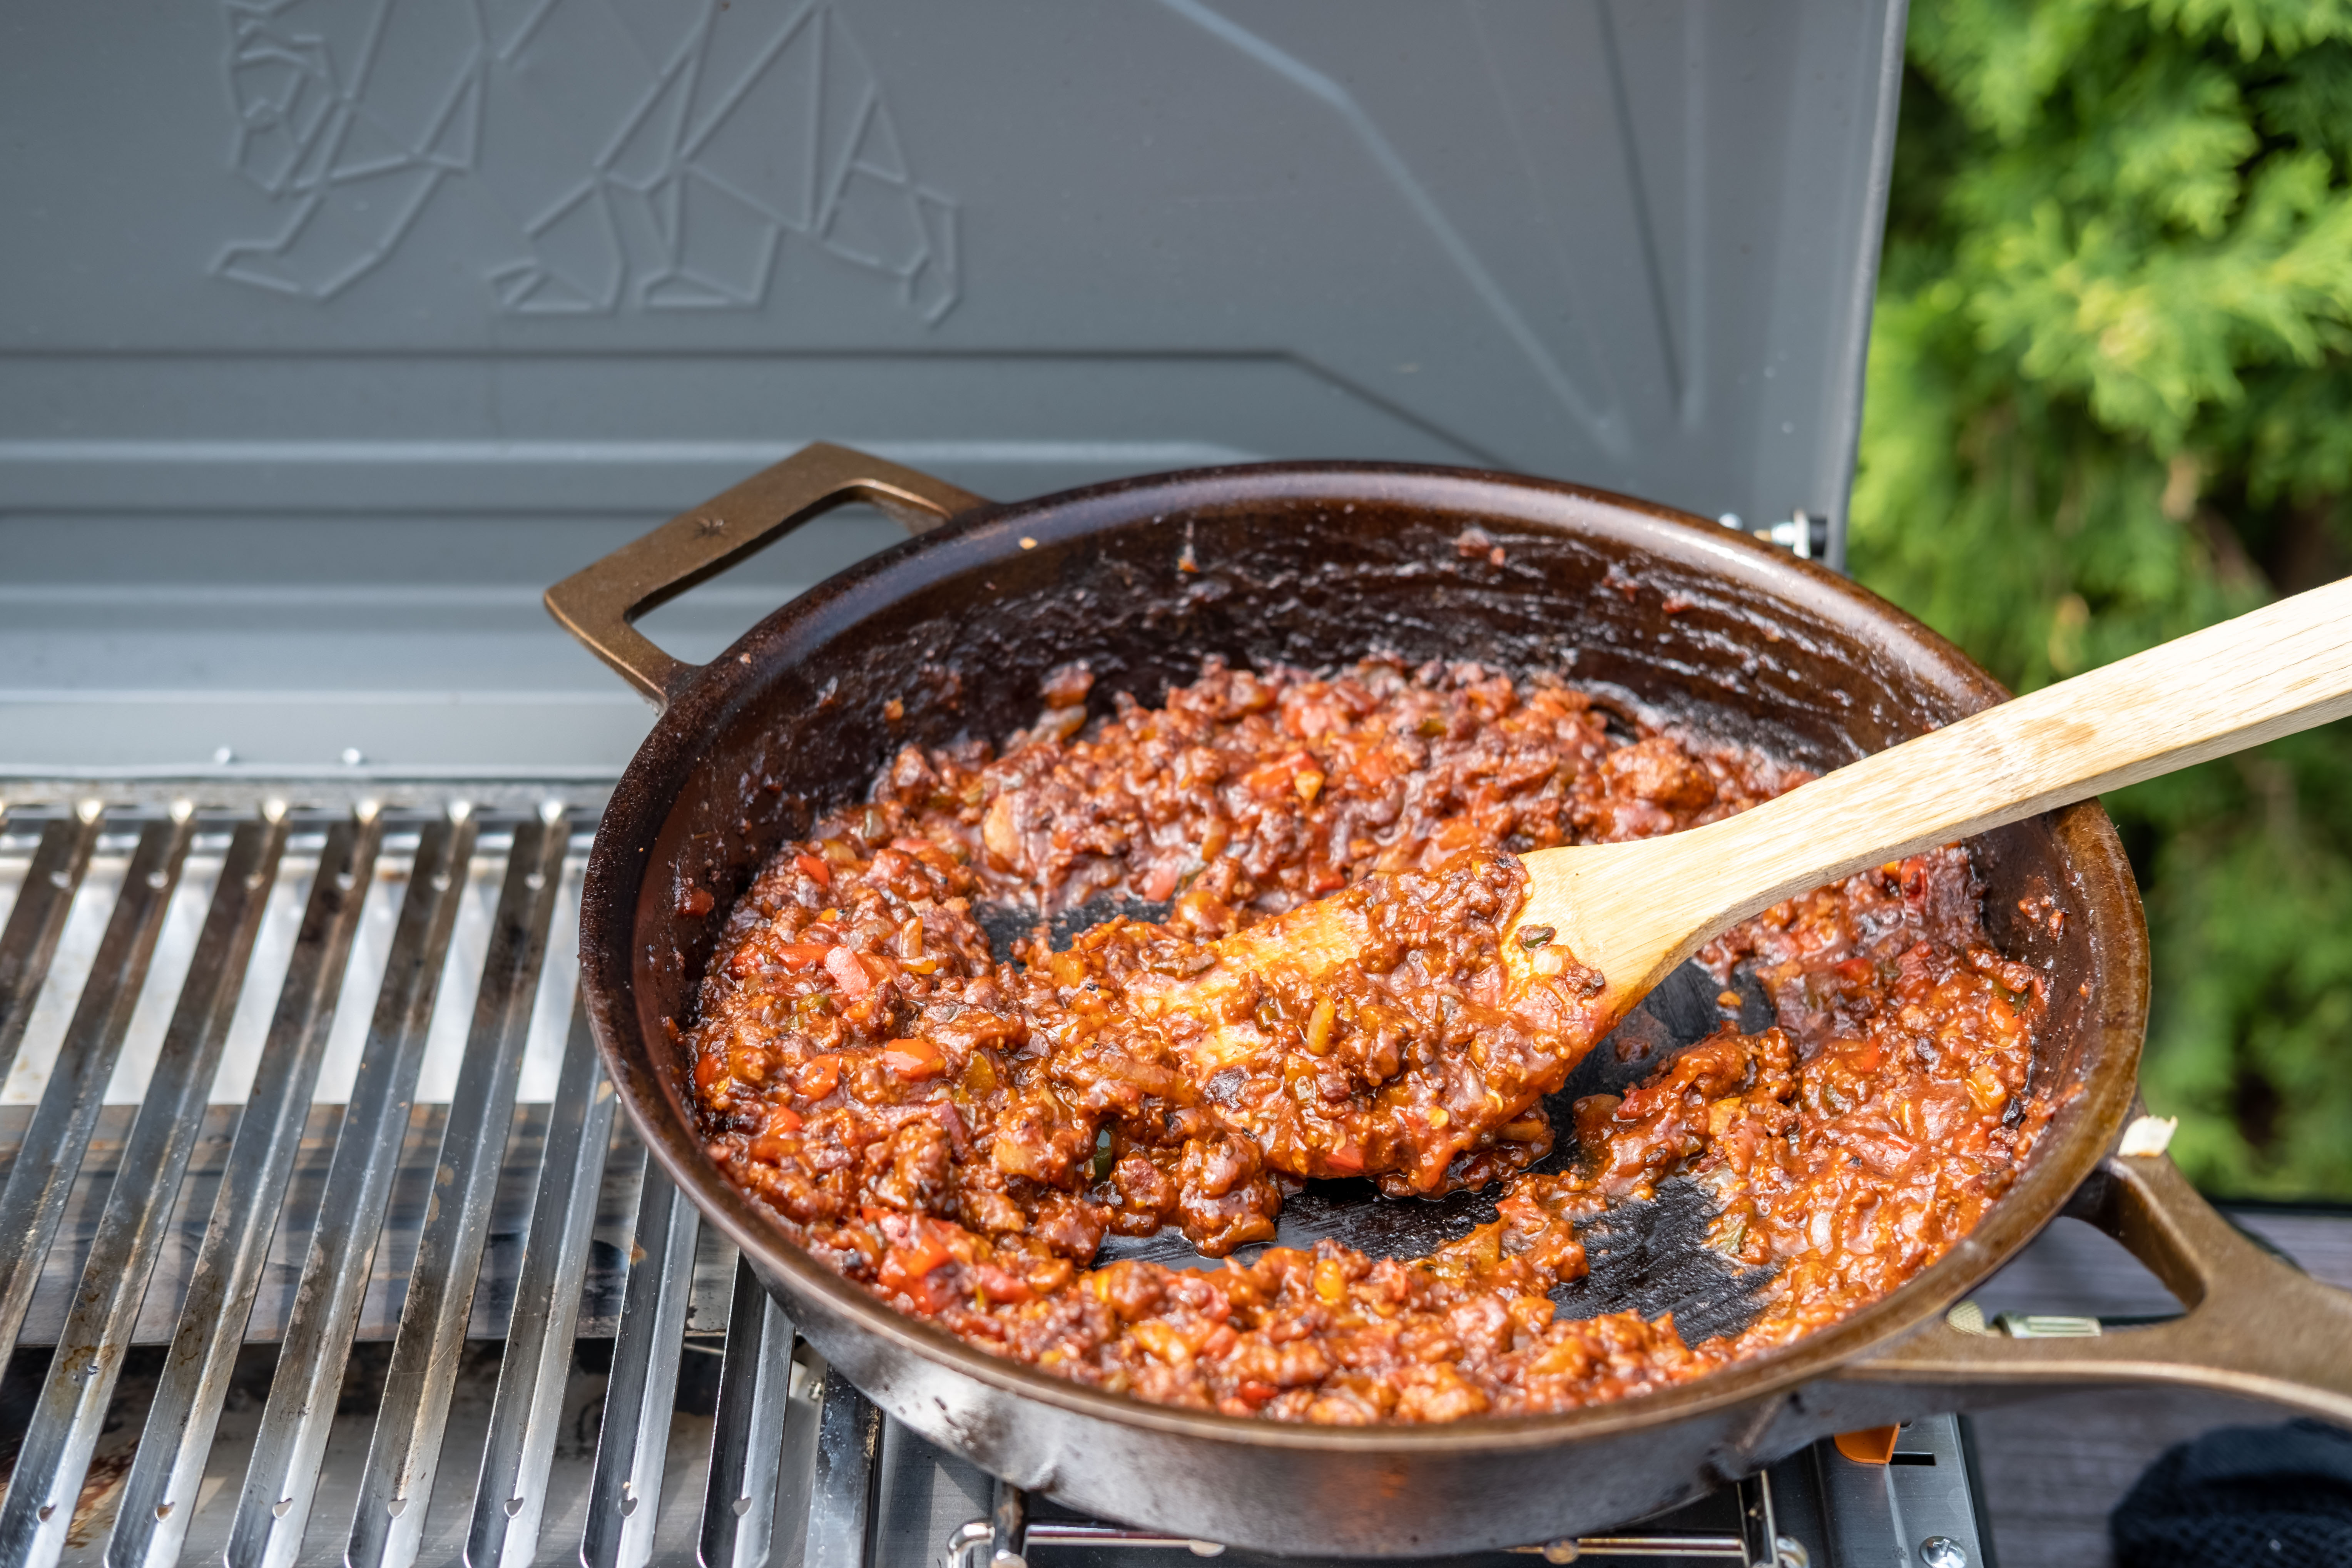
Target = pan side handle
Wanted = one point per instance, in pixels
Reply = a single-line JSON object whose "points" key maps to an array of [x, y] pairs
{"points": [[598, 603], [2256, 1325]]}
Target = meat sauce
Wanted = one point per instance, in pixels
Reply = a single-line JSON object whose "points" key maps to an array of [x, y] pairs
{"points": [[960, 1134]]}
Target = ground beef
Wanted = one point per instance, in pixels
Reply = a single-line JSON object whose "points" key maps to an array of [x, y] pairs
{"points": [[960, 1134]]}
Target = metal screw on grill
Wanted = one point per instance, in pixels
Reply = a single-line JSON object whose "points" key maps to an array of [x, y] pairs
{"points": [[1805, 533], [1943, 1552]]}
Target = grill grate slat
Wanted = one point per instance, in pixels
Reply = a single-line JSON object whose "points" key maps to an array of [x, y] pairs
{"points": [[397, 1481], [633, 1446], [36, 920], [842, 1492], [168, 1470], [42, 1176], [281, 1479], [64, 1431], [797, 1450], [746, 1427], [510, 1496]]}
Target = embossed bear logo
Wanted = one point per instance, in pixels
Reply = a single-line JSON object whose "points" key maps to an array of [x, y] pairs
{"points": [[653, 157]]}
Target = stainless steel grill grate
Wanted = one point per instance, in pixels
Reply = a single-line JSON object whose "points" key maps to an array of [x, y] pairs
{"points": [[320, 1240]]}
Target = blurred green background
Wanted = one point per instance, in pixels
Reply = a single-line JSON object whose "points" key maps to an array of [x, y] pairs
{"points": [[2110, 400]]}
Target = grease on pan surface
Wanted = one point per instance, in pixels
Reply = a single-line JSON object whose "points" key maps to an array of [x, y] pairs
{"points": [[1027, 1141]]}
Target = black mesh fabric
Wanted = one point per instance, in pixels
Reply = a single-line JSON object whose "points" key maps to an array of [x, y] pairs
{"points": [[2278, 1497]]}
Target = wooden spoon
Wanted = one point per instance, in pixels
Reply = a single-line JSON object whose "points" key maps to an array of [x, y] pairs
{"points": [[1635, 910], [1600, 926]]}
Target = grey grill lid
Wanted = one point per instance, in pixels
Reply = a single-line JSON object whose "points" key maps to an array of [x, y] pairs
{"points": [[334, 329]]}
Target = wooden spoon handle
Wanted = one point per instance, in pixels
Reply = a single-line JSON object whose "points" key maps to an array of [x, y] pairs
{"points": [[2284, 667], [1639, 909]]}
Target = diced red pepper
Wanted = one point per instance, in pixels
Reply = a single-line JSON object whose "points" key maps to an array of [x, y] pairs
{"points": [[1273, 780], [913, 1267], [800, 954], [914, 1059], [912, 1259], [814, 870], [817, 1076]]}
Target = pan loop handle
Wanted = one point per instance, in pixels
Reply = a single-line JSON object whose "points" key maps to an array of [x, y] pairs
{"points": [[598, 603], [2256, 1325]]}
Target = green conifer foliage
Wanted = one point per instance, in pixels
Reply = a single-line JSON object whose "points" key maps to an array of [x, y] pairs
{"points": [[2110, 402]]}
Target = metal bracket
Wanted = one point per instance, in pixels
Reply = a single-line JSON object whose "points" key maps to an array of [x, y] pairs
{"points": [[1007, 1535], [1805, 534]]}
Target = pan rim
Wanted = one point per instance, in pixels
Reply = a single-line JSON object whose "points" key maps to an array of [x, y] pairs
{"points": [[2070, 1148]]}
